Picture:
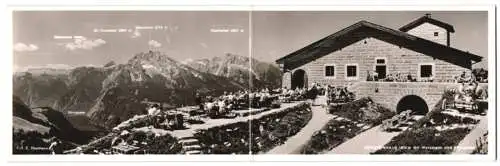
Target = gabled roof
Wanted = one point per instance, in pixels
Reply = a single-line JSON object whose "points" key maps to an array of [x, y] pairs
{"points": [[427, 19], [364, 29]]}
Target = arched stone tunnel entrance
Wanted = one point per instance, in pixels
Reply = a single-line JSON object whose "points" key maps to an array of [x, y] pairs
{"points": [[414, 103], [299, 79]]}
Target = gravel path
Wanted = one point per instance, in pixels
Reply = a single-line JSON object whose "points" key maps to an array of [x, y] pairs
{"points": [[467, 145], [295, 143], [366, 142]]}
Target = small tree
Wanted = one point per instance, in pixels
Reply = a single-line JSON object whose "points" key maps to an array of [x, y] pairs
{"points": [[480, 74]]}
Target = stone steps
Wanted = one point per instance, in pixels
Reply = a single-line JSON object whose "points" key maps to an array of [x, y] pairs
{"points": [[193, 152], [191, 147], [190, 141]]}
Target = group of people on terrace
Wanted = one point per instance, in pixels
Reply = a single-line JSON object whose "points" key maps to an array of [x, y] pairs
{"points": [[338, 94], [333, 93], [395, 77], [288, 95], [468, 89], [408, 77], [263, 98], [239, 100], [162, 119], [293, 94]]}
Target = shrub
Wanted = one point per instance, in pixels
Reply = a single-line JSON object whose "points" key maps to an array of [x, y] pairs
{"points": [[441, 142], [99, 144], [137, 135], [353, 111], [213, 140], [236, 138], [163, 145], [330, 136]]}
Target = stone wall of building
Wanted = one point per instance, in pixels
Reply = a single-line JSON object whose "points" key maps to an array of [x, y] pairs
{"points": [[286, 80], [427, 30], [364, 53]]}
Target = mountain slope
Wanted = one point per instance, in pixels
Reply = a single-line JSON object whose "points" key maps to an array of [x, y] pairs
{"points": [[84, 87], [44, 120], [237, 68], [110, 94], [152, 76], [39, 90]]}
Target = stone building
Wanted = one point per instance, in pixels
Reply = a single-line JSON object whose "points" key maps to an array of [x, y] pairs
{"points": [[420, 49]]}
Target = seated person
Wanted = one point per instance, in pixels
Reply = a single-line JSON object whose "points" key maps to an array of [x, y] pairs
{"points": [[222, 106], [264, 99], [470, 90], [209, 106], [231, 97], [290, 92], [481, 93], [154, 110]]}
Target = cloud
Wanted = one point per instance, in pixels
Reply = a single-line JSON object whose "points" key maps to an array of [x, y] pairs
{"points": [[21, 47], [187, 61], [136, 34], [154, 43], [84, 43], [204, 45]]}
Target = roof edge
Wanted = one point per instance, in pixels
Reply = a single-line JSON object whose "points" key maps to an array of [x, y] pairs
{"points": [[427, 19], [363, 23], [346, 29]]}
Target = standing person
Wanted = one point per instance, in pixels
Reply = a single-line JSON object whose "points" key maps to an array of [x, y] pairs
{"points": [[56, 147], [312, 94], [210, 109], [153, 112], [198, 101]]}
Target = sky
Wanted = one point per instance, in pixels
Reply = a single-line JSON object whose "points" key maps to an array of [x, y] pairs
{"points": [[76, 38]]}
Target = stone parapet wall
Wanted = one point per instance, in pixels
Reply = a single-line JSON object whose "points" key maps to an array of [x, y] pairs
{"points": [[390, 93]]}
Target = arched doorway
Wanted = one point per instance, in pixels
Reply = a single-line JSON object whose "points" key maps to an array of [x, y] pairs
{"points": [[414, 103], [299, 79]]}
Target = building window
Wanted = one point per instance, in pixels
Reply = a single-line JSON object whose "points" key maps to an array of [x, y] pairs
{"points": [[436, 33], [330, 71], [426, 70], [351, 71], [380, 67]]}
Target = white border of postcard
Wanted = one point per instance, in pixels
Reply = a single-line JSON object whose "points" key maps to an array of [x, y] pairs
{"points": [[309, 158]]}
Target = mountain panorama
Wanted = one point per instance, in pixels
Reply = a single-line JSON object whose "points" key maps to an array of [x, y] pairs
{"points": [[113, 93]]}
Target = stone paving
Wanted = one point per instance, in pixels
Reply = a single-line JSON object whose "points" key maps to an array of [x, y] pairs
{"points": [[467, 145], [365, 142]]}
